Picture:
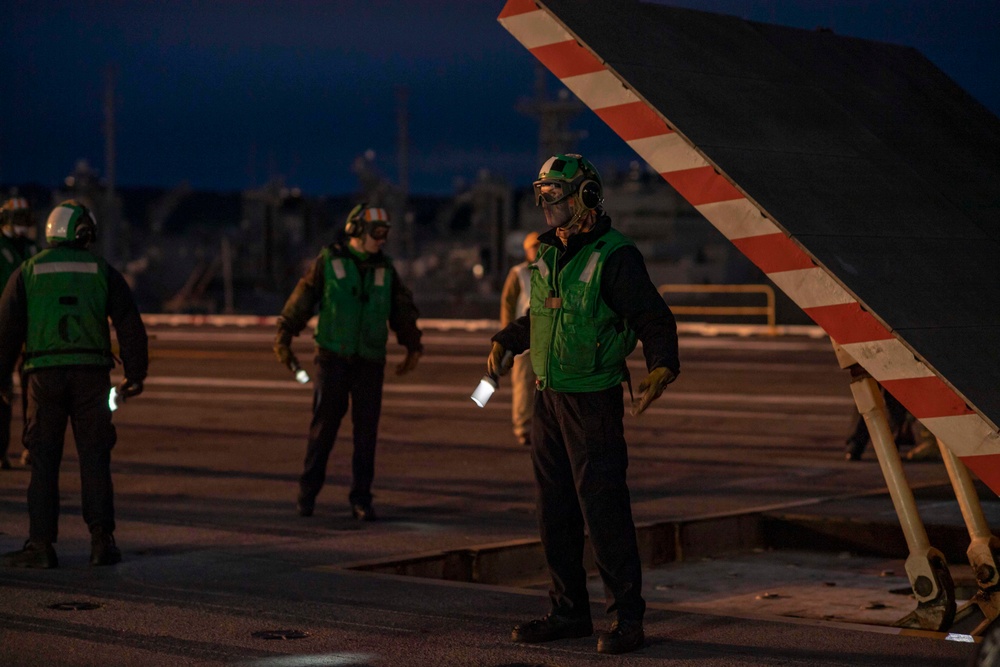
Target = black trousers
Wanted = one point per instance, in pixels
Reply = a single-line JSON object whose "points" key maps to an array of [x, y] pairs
{"points": [[7, 410], [78, 394], [340, 380], [580, 461]]}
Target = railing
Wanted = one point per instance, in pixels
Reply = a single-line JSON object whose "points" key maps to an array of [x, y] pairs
{"points": [[728, 311]]}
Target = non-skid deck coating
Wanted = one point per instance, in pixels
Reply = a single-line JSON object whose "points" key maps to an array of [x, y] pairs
{"points": [[855, 174]]}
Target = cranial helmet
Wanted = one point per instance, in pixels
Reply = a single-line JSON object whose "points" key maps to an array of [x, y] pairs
{"points": [[71, 223], [15, 212], [577, 176], [364, 218]]}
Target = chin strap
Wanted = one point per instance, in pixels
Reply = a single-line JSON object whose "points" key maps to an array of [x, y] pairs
{"points": [[574, 225]]}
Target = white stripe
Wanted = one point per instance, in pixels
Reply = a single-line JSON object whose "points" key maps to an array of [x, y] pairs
{"points": [[338, 268], [463, 403], [58, 223], [668, 152], [588, 271], [65, 267], [737, 219], [534, 29], [599, 89], [458, 390], [810, 288], [887, 360], [543, 268], [964, 435]]}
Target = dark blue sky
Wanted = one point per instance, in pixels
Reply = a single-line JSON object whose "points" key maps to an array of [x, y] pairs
{"points": [[223, 93]]}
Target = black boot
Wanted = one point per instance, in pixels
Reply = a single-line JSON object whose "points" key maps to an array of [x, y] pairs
{"points": [[34, 554], [624, 636], [551, 627], [363, 511], [103, 550], [305, 504], [855, 448]]}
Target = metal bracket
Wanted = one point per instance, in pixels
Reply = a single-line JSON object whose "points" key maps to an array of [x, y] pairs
{"points": [[926, 567]]}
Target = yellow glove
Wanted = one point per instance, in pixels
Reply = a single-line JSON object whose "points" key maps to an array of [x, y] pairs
{"points": [[409, 363], [499, 361], [651, 388]]}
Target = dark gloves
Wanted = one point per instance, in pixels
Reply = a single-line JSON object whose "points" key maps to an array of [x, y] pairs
{"points": [[409, 363], [128, 388], [499, 362], [651, 388], [283, 349]]}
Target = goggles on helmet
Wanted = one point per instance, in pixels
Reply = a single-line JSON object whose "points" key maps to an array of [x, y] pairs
{"points": [[553, 193], [379, 233], [564, 173]]}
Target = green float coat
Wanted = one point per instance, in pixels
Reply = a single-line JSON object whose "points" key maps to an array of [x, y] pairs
{"points": [[354, 317], [67, 294], [581, 344]]}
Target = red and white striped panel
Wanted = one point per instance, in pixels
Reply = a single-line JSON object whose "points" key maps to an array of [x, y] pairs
{"points": [[655, 139]]}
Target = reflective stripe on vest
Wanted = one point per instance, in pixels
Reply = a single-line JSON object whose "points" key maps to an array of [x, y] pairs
{"points": [[524, 295], [65, 267]]}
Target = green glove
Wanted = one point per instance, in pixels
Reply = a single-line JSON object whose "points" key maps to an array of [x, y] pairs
{"points": [[651, 388], [499, 361]]}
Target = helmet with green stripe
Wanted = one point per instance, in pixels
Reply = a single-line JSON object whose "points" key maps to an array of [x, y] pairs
{"points": [[71, 223], [576, 177]]}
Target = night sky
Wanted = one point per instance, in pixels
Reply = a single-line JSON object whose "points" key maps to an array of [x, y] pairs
{"points": [[223, 94]]}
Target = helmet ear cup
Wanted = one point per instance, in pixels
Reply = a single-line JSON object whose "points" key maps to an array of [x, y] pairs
{"points": [[355, 226], [86, 231], [590, 194]]}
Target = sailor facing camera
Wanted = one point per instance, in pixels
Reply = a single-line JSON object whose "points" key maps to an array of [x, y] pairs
{"points": [[360, 297]]}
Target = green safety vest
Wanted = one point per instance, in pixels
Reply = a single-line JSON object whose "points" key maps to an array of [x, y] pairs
{"points": [[354, 313], [577, 342], [67, 294]]}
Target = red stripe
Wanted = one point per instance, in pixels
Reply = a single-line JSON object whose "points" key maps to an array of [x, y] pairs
{"points": [[927, 397], [773, 252], [848, 323], [634, 120], [515, 7], [701, 185], [567, 58], [987, 468]]}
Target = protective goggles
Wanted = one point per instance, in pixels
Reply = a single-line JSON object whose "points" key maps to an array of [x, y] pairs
{"points": [[379, 233], [555, 192]]}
